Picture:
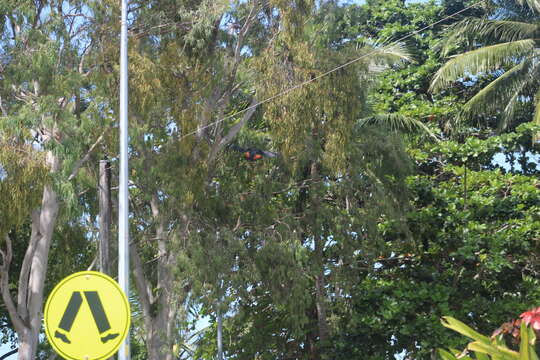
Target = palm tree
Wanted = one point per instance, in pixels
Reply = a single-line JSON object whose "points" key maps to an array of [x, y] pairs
{"points": [[506, 46]]}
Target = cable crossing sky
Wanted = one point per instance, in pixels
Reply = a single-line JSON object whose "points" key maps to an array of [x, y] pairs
{"points": [[302, 84]]}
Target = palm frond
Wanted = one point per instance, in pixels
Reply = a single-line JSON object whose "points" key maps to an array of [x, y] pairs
{"points": [[504, 93], [485, 59], [532, 4], [530, 82], [536, 118], [509, 110], [498, 92], [380, 57], [489, 31], [397, 51], [396, 122]]}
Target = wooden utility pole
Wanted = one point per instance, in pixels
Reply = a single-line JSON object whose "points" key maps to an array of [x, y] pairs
{"points": [[104, 216]]}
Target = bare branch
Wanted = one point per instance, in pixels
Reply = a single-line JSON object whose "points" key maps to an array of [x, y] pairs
{"points": [[141, 282], [2, 108], [93, 263], [240, 41], [245, 28], [14, 27], [38, 14], [85, 158], [83, 57], [79, 15], [233, 131]]}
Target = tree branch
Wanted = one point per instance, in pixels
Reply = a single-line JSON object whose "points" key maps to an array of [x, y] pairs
{"points": [[4, 287], [47, 220], [14, 27], [38, 14], [143, 287], [233, 131], [2, 108], [85, 158], [240, 43], [83, 56], [26, 265], [245, 28]]}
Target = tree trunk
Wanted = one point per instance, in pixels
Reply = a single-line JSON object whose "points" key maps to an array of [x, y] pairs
{"points": [[159, 345], [26, 312], [158, 301], [321, 308], [49, 213], [319, 241], [30, 309], [27, 345], [312, 346]]}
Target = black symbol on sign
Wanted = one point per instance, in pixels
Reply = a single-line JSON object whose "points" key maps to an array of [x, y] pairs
{"points": [[98, 313]]}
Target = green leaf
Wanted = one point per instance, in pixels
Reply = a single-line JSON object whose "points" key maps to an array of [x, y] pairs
{"points": [[499, 91], [536, 120], [445, 355], [463, 329], [486, 31], [495, 351], [487, 58], [397, 122], [524, 343], [533, 4], [480, 356]]}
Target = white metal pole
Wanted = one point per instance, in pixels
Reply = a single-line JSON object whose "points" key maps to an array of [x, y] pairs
{"points": [[123, 201], [219, 331]]}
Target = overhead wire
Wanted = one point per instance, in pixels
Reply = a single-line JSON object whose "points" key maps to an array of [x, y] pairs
{"points": [[141, 31], [307, 82], [318, 77]]}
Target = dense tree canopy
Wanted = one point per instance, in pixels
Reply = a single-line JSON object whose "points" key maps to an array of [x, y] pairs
{"points": [[370, 213]]}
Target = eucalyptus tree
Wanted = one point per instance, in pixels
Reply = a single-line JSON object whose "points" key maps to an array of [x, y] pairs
{"points": [[193, 67], [46, 116], [325, 194], [501, 51], [22, 178], [187, 73]]}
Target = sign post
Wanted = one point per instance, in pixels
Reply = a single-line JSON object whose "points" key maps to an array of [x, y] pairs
{"points": [[123, 201], [87, 317]]}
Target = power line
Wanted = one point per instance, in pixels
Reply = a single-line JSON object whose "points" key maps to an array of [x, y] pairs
{"points": [[304, 83]]}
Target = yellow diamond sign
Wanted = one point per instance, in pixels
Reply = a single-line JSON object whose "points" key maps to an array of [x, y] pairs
{"points": [[87, 316]]}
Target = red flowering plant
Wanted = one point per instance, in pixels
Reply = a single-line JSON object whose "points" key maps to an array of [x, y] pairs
{"points": [[532, 318], [523, 331]]}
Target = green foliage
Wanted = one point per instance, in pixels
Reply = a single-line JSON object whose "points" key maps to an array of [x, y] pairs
{"points": [[471, 238], [503, 45], [22, 175], [485, 348], [361, 214]]}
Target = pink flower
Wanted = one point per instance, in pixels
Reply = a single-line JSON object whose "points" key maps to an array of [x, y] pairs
{"points": [[532, 318]]}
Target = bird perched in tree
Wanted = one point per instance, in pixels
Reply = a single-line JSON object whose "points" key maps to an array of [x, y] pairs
{"points": [[252, 154]]}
